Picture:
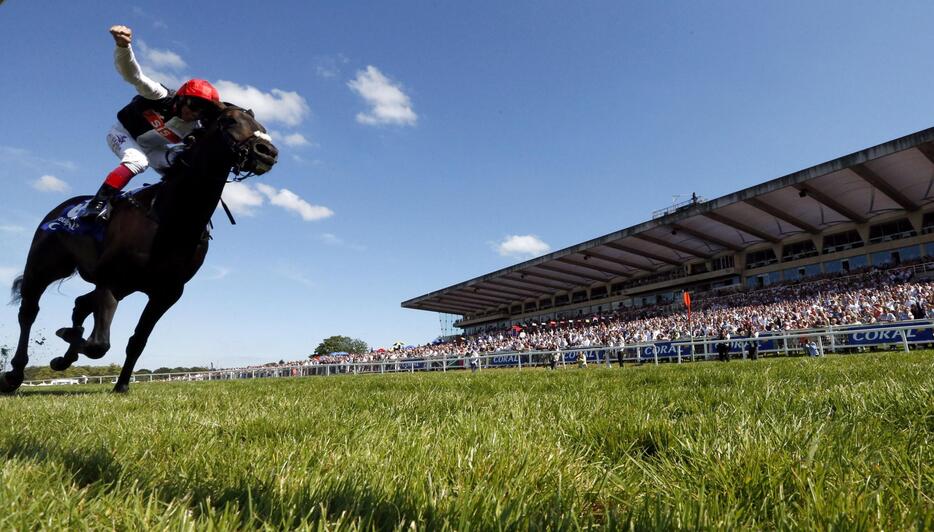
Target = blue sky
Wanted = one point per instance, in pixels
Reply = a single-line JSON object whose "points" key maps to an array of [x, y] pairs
{"points": [[419, 139]]}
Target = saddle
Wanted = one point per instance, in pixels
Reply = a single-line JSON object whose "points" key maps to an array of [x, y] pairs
{"points": [[69, 221]]}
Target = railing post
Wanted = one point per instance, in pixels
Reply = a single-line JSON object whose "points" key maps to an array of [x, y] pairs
{"points": [[820, 345], [679, 353], [904, 339], [655, 351]]}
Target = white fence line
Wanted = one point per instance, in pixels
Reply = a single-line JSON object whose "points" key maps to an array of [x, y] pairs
{"points": [[814, 342]]}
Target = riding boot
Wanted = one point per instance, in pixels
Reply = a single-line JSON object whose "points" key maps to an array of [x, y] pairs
{"points": [[99, 202]]}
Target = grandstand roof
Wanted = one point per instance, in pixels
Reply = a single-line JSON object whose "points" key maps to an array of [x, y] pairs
{"points": [[895, 176]]}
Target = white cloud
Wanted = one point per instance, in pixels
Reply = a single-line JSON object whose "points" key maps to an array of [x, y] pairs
{"points": [[241, 198], [20, 156], [290, 201], [333, 240], [50, 183], [285, 107], [218, 273], [11, 228], [164, 66], [156, 23], [295, 139], [292, 273], [289, 139], [7, 275], [388, 104], [522, 246], [161, 58], [329, 67]]}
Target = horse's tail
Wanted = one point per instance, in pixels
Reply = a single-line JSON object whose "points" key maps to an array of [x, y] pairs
{"points": [[17, 290]]}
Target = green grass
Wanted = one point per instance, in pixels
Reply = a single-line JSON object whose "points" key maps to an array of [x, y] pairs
{"points": [[841, 442]]}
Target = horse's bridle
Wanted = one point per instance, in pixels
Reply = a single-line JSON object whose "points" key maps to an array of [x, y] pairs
{"points": [[251, 157]]}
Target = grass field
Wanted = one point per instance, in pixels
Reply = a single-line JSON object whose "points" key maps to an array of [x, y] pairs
{"points": [[839, 442]]}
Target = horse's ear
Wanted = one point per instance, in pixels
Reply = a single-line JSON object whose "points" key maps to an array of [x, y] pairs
{"points": [[212, 110]]}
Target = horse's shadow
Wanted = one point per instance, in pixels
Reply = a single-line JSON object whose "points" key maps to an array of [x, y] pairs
{"points": [[64, 393], [260, 502]]}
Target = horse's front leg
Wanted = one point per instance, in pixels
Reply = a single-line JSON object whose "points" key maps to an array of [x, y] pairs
{"points": [[155, 308]]}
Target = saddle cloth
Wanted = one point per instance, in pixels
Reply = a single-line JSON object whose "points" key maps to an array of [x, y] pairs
{"points": [[68, 220]]}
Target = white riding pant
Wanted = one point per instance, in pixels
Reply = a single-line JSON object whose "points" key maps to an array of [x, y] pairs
{"points": [[135, 157]]}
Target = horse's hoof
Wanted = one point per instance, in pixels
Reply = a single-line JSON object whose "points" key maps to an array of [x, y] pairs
{"points": [[9, 384], [121, 388], [60, 364], [72, 335], [95, 351]]}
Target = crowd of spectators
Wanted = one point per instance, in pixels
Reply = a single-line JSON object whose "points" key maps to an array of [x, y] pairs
{"points": [[870, 297]]}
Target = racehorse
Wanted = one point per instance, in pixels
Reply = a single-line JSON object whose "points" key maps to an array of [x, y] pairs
{"points": [[154, 243]]}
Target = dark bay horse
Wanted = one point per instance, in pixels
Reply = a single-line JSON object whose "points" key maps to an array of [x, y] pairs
{"points": [[154, 243]]}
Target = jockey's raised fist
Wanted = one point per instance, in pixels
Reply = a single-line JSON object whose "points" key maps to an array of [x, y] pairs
{"points": [[122, 35]]}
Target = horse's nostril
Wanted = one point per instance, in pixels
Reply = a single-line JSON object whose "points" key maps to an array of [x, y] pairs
{"points": [[264, 149]]}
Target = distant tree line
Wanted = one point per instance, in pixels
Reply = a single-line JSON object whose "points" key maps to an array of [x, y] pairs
{"points": [[38, 373], [341, 344]]}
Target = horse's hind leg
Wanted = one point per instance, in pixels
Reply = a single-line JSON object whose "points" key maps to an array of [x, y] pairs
{"points": [[31, 287], [74, 335]]}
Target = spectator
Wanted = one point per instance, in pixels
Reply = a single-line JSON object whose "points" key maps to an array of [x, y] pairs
{"points": [[723, 346], [474, 361]]}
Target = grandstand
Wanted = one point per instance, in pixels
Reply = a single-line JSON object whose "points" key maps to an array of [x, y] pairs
{"points": [[868, 209]]}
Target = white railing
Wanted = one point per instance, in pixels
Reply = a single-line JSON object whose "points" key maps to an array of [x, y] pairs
{"points": [[815, 342]]}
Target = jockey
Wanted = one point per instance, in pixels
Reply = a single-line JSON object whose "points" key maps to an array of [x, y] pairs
{"points": [[149, 126]]}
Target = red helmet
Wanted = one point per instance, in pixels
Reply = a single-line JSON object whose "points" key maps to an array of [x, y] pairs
{"points": [[199, 88]]}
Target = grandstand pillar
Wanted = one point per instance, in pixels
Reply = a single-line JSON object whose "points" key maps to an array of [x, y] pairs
{"points": [[915, 218], [863, 230]]}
